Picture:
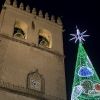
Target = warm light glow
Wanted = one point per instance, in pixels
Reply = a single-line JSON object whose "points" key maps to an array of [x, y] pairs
{"points": [[23, 26], [46, 34]]}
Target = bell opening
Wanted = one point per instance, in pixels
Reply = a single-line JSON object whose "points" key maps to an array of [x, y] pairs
{"points": [[19, 33], [43, 41]]}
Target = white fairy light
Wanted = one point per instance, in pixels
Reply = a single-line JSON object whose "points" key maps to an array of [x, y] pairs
{"points": [[79, 36]]}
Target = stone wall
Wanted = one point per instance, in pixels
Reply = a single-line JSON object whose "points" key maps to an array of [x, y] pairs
{"points": [[20, 59]]}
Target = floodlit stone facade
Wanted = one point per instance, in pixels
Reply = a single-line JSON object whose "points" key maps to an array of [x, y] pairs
{"points": [[31, 55]]}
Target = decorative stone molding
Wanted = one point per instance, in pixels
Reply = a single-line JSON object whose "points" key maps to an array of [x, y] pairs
{"points": [[36, 77], [52, 18], [40, 14], [21, 6], [47, 16], [28, 8], [15, 3], [25, 91], [32, 45], [59, 21], [8, 2], [34, 11]]}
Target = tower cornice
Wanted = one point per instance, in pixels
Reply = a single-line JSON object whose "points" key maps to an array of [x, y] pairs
{"points": [[33, 14], [32, 45]]}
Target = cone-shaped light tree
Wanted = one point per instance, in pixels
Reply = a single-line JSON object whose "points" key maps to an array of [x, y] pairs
{"points": [[86, 84]]}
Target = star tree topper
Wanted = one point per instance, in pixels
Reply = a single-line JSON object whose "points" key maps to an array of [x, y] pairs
{"points": [[79, 36]]}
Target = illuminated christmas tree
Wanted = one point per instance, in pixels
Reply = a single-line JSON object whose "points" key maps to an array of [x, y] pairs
{"points": [[86, 85]]}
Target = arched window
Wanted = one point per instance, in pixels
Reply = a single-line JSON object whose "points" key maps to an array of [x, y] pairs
{"points": [[20, 29], [35, 81], [45, 38]]}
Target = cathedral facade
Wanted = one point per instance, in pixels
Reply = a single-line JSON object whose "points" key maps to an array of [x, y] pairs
{"points": [[31, 55]]}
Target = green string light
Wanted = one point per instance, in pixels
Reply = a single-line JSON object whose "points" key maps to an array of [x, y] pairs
{"points": [[86, 84]]}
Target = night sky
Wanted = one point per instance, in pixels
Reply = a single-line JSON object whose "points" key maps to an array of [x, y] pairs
{"points": [[83, 13]]}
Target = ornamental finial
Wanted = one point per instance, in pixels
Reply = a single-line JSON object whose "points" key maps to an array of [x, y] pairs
{"points": [[79, 36], [21, 6], [15, 3], [40, 13], [34, 11], [28, 8]]}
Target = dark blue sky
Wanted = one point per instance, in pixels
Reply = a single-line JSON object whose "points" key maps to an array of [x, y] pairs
{"points": [[83, 13]]}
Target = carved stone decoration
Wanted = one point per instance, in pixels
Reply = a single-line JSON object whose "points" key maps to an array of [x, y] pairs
{"points": [[11, 88], [59, 21], [35, 81], [28, 8], [29, 44], [15, 3], [21, 6], [46, 16], [52, 18], [34, 11], [40, 13], [8, 2]]}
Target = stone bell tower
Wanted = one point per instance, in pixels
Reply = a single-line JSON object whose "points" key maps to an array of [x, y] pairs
{"points": [[31, 55]]}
